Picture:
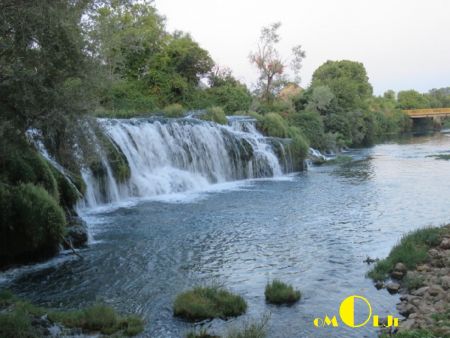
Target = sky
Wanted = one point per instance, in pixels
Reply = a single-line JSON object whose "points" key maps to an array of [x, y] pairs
{"points": [[404, 44]]}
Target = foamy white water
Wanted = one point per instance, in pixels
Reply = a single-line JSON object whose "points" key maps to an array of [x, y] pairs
{"points": [[171, 157]]}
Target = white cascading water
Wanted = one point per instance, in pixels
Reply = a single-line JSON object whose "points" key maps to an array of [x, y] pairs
{"points": [[176, 155]]}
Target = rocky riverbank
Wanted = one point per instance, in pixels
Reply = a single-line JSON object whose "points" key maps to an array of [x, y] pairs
{"points": [[425, 288], [425, 303]]}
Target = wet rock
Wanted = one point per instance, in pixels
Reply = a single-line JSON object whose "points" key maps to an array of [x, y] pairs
{"points": [[369, 260], [393, 287], [379, 285], [76, 233]]}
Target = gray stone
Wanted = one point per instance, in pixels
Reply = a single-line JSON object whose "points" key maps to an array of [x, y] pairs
{"points": [[393, 287], [445, 282], [420, 292], [445, 244], [435, 290], [406, 310], [407, 325], [400, 267]]}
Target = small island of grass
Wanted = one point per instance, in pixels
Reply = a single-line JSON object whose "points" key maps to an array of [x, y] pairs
{"points": [[278, 292], [207, 303]]}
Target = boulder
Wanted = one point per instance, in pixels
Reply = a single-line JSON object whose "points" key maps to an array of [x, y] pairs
{"points": [[399, 271], [445, 244], [77, 233], [405, 309], [421, 291], [435, 290], [445, 282], [407, 325], [393, 287]]}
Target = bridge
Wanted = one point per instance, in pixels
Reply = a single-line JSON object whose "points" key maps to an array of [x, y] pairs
{"points": [[434, 113]]}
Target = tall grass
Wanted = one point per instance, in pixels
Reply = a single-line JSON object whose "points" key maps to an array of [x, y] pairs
{"points": [[411, 251], [208, 302]]}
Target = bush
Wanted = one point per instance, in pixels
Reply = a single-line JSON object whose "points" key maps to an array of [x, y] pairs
{"points": [[231, 98], [215, 114], [411, 251], [273, 124], [278, 292], [174, 110], [21, 163], [207, 303], [32, 221], [311, 125]]}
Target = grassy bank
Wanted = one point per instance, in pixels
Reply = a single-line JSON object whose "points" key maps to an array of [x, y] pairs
{"points": [[19, 318], [419, 266], [410, 251]]}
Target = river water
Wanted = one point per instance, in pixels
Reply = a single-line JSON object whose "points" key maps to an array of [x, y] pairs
{"points": [[312, 229]]}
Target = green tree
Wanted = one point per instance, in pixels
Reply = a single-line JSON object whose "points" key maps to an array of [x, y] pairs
{"points": [[347, 80], [44, 74], [439, 98], [411, 99], [226, 91]]}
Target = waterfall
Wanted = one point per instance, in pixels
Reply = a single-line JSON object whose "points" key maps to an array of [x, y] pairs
{"points": [[168, 156]]}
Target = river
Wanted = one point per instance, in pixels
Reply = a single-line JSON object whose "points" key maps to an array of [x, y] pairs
{"points": [[311, 229]]}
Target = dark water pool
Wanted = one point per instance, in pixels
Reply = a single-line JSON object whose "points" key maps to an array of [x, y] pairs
{"points": [[313, 230]]}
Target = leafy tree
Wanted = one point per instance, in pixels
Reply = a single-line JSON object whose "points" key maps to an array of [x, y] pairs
{"points": [[270, 64], [187, 58], [439, 98], [389, 95], [347, 80], [146, 67], [411, 99], [44, 74], [226, 91]]}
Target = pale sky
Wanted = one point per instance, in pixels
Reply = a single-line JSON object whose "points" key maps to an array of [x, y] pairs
{"points": [[404, 44]]}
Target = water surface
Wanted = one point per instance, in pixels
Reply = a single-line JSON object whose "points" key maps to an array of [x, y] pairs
{"points": [[313, 229]]}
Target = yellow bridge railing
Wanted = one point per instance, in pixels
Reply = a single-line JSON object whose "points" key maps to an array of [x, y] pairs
{"points": [[432, 112]]}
